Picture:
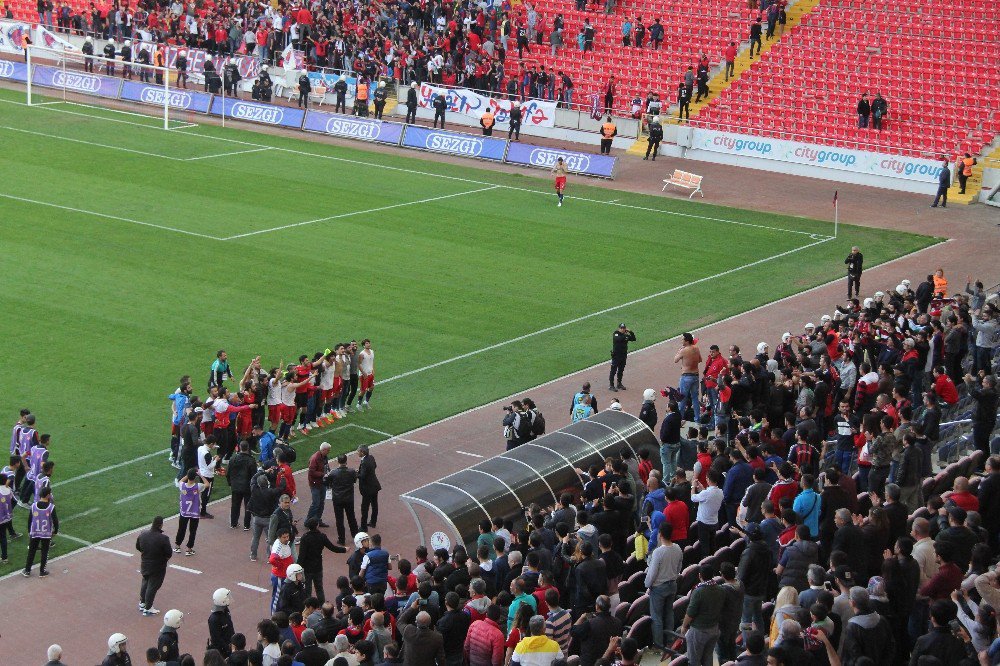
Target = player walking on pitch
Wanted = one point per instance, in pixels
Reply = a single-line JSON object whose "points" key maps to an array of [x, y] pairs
{"points": [[561, 171], [366, 364]]}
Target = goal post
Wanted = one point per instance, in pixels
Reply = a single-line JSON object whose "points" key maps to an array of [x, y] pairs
{"points": [[129, 87]]}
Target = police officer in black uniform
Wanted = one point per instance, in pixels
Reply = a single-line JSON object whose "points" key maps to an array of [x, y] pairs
{"points": [[304, 89], [619, 354], [143, 59], [340, 87], [440, 104], [655, 137], [379, 96], [231, 76], [515, 122]]}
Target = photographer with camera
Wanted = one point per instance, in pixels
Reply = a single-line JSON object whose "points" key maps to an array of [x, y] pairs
{"points": [[516, 425]]}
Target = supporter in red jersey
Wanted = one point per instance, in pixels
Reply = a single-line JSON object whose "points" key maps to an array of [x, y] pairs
{"points": [[944, 386], [961, 496]]}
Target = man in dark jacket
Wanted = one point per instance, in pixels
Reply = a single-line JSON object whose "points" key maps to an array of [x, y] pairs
{"points": [[834, 497], [944, 182], [263, 502], [855, 265], [154, 548], [440, 103], [619, 355], [341, 482], [984, 417], [453, 626], [369, 487], [311, 557], [241, 469], [187, 457], [867, 634], [319, 465], [311, 653], [989, 499], [940, 642], [411, 104], [754, 571], [590, 579], [849, 538], [292, 597], [423, 645], [593, 631]]}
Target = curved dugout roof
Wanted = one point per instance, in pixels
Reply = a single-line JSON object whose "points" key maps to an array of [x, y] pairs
{"points": [[536, 472]]}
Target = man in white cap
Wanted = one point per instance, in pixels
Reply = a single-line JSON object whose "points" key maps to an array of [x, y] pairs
{"points": [[379, 97], [88, 51], [647, 413], [411, 104], [655, 137], [127, 60], [515, 122]]}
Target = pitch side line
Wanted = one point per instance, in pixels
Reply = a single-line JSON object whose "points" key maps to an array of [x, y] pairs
{"points": [[360, 212], [425, 173], [238, 152], [109, 217], [91, 143]]}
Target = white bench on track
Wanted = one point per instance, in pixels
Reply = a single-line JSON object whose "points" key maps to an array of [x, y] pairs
{"points": [[688, 181]]}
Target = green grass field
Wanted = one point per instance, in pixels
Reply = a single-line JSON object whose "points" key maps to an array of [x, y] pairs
{"points": [[128, 262]]}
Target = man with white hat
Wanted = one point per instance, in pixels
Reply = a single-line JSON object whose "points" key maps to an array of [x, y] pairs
{"points": [[167, 645], [220, 622], [411, 104], [117, 651], [515, 122], [379, 97], [647, 413], [655, 137], [340, 88]]}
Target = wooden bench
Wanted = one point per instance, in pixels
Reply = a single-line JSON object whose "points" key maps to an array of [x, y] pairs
{"points": [[688, 181]]}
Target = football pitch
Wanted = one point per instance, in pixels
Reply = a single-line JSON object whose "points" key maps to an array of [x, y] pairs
{"points": [[132, 254]]}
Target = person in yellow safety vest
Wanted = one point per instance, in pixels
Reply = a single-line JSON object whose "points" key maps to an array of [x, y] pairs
{"points": [[964, 168], [608, 132], [488, 120], [361, 98]]}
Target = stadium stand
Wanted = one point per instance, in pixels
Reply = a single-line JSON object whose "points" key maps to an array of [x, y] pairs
{"points": [[932, 67]]}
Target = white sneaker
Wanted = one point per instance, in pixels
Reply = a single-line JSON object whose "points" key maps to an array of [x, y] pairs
{"points": [[560, 204]]}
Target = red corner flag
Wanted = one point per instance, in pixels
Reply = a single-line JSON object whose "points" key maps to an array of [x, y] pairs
{"points": [[835, 193]]}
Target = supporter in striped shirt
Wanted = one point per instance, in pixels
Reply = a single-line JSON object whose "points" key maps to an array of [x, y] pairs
{"points": [[558, 621]]}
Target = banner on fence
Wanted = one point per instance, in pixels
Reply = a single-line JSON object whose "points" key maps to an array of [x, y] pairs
{"points": [[12, 36], [76, 81], [248, 67], [843, 159], [351, 127], [454, 143], [267, 114], [183, 100], [586, 164], [327, 79], [534, 112], [13, 71]]}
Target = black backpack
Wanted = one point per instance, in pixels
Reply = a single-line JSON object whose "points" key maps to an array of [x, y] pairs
{"points": [[524, 426], [538, 424]]}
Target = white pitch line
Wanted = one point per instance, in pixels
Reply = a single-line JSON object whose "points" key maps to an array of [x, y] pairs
{"points": [[255, 588], [91, 143], [80, 515], [597, 313], [466, 453], [113, 551], [361, 212], [180, 568], [73, 538], [96, 472], [143, 493], [238, 152], [109, 217]]}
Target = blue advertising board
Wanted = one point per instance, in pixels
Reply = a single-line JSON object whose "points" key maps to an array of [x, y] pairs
{"points": [[351, 127], [586, 164], [454, 143], [258, 112], [81, 82], [183, 100], [13, 71]]}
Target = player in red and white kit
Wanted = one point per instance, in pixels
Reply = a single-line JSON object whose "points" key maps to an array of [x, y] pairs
{"points": [[366, 368], [561, 171]]}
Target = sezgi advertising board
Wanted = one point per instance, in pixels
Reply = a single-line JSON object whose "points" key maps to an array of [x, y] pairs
{"points": [[255, 112], [454, 143], [181, 100], [13, 71], [350, 127], [587, 164], [75, 81], [843, 159]]}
